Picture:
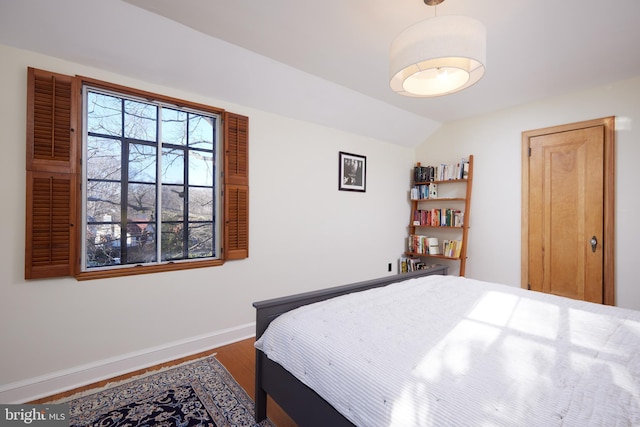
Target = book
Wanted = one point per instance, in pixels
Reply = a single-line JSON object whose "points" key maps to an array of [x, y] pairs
{"points": [[458, 249], [434, 246], [417, 244], [452, 248], [423, 174], [419, 192], [433, 191], [458, 218], [442, 172], [435, 218], [408, 264], [402, 265]]}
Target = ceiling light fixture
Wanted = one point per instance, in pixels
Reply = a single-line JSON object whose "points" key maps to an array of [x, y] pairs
{"points": [[439, 56]]}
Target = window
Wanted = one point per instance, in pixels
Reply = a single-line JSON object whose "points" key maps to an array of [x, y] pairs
{"points": [[148, 167], [164, 182]]}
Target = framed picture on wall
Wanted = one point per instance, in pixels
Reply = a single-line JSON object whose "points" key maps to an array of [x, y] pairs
{"points": [[352, 173]]}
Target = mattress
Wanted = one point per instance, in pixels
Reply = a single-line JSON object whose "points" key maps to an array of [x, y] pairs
{"points": [[445, 350]]}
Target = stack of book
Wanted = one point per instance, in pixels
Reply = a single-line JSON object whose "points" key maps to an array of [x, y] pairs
{"points": [[406, 264], [445, 217], [452, 248], [410, 264], [442, 172], [424, 245], [424, 191], [419, 244]]}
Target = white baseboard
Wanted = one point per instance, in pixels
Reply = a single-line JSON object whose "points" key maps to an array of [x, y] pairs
{"points": [[69, 379]]}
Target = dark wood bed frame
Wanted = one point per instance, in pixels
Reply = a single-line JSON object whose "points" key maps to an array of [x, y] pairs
{"points": [[302, 404]]}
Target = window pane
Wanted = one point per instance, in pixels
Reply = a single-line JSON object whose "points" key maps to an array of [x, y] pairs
{"points": [[125, 174], [172, 203], [104, 158], [142, 163], [140, 243], [200, 168], [201, 131], [140, 120], [200, 240], [103, 201], [172, 243], [141, 202], [174, 126], [103, 245], [200, 204], [104, 114], [172, 166]]}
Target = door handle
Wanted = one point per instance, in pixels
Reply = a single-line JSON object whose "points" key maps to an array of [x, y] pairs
{"points": [[594, 243]]}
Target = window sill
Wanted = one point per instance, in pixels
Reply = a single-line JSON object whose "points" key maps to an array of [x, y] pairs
{"points": [[146, 269]]}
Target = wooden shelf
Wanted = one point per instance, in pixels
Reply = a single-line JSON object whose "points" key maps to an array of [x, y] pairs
{"points": [[432, 256], [446, 181], [440, 199], [458, 199], [438, 227]]}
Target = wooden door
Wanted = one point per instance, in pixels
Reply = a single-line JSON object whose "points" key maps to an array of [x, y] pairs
{"points": [[568, 209]]}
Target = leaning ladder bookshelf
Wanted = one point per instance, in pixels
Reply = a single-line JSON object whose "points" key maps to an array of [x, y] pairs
{"points": [[440, 210]]}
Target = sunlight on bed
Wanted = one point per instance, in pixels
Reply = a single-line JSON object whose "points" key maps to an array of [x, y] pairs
{"points": [[529, 343]]}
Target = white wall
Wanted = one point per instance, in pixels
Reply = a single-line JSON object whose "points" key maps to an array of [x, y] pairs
{"points": [[304, 235], [495, 142]]}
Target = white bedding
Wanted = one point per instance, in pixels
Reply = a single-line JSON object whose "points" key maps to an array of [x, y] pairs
{"points": [[450, 351]]}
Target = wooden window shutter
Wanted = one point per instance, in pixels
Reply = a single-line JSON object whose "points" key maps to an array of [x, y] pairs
{"points": [[236, 149], [50, 217], [51, 121], [236, 189], [51, 185], [236, 221]]}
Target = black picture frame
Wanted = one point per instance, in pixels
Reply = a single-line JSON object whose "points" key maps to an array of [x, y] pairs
{"points": [[352, 172]]}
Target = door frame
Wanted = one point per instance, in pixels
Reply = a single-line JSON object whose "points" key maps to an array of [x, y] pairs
{"points": [[608, 199]]}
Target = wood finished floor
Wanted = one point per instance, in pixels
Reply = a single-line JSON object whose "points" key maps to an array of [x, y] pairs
{"points": [[239, 359]]}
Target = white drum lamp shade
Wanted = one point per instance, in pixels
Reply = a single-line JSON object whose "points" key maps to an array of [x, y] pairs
{"points": [[439, 56]]}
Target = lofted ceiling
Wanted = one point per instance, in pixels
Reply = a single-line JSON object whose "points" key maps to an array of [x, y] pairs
{"points": [[327, 61]]}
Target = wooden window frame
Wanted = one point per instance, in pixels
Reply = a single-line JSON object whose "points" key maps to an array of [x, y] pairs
{"points": [[54, 147]]}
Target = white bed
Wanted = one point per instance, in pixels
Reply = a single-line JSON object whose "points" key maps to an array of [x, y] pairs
{"points": [[445, 350]]}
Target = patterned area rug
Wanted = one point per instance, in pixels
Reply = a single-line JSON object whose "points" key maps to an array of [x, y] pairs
{"points": [[200, 393]]}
